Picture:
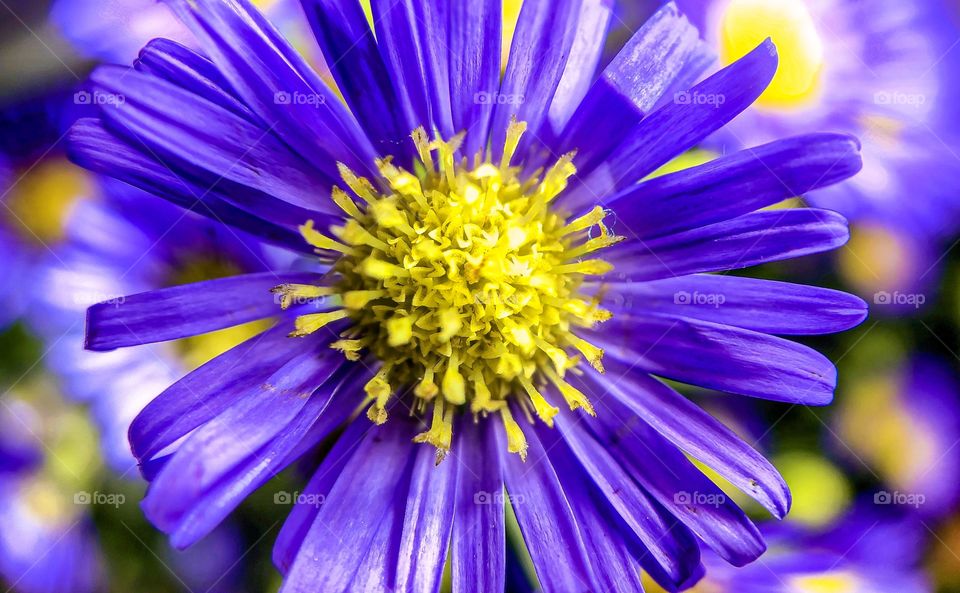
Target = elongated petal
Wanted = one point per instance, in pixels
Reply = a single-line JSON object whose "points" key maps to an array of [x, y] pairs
{"points": [[411, 34], [585, 54], [479, 539], [678, 126], [270, 76], [193, 132], [538, 56], [253, 420], [316, 493], [474, 68], [735, 185], [680, 487], [210, 390], [183, 311], [613, 555], [751, 240], [181, 66], [427, 523], [546, 521], [325, 411], [671, 547], [696, 432], [94, 147], [759, 305], [721, 357], [351, 52], [629, 88], [348, 522]]}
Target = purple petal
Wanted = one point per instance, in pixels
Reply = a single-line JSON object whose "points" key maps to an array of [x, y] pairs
{"points": [[261, 66], [581, 68], [696, 432], [327, 410], [351, 52], [474, 68], [317, 491], [670, 547], [479, 539], [427, 523], [184, 311], [759, 305], [411, 35], [629, 87], [196, 134], [181, 66], [546, 521], [95, 148], [538, 56], [678, 126], [212, 389], [679, 486], [751, 240], [252, 421], [735, 185], [720, 357], [352, 515]]}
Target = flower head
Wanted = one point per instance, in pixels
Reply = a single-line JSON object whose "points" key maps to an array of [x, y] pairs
{"points": [[492, 268]]}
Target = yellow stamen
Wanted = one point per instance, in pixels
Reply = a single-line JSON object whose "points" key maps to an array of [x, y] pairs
{"points": [[516, 441], [298, 294], [308, 324], [545, 411], [440, 434]]}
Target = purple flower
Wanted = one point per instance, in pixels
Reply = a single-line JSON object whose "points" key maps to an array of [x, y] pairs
{"points": [[503, 287]]}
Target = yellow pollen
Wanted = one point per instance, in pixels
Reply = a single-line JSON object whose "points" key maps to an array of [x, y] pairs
{"points": [[464, 282]]}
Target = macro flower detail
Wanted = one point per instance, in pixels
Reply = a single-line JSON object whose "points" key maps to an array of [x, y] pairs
{"points": [[464, 283], [506, 280]]}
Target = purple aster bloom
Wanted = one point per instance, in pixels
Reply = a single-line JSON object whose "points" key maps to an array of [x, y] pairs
{"points": [[870, 550], [472, 279], [47, 542], [130, 242], [903, 425], [885, 71]]}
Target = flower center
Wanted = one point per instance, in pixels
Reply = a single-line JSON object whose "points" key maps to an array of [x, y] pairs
{"points": [[41, 201], [746, 23], [464, 284]]}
